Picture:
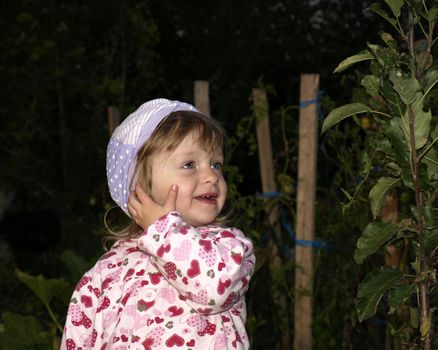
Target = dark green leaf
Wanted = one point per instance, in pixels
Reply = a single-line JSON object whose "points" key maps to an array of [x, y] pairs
{"points": [[389, 40], [430, 78], [361, 56], [44, 288], [374, 236], [415, 4], [400, 295], [365, 164], [371, 83], [407, 88], [340, 113], [431, 161], [398, 142], [433, 14], [414, 317], [431, 240], [395, 6], [406, 177], [376, 8], [385, 56], [391, 96], [76, 264], [379, 191], [421, 122], [23, 333], [424, 61], [372, 289]]}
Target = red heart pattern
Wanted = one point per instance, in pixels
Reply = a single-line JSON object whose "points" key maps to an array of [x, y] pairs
{"points": [[194, 269], [159, 288]]}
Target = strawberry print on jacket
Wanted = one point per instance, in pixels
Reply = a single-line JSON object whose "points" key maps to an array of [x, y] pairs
{"points": [[175, 287]]}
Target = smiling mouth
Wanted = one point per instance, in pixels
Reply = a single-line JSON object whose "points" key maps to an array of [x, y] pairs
{"points": [[207, 198]]}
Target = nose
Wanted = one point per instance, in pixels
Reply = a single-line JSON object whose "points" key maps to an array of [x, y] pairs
{"points": [[210, 176]]}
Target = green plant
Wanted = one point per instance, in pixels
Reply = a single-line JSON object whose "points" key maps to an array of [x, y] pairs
{"points": [[400, 155]]}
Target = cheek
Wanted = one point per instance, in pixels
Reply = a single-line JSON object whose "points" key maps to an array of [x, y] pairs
{"points": [[159, 193]]}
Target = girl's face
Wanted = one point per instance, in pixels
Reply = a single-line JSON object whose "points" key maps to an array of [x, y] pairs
{"points": [[198, 173]]}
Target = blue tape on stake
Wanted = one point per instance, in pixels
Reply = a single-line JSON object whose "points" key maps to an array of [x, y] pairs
{"points": [[301, 242], [288, 227], [317, 100], [268, 195]]}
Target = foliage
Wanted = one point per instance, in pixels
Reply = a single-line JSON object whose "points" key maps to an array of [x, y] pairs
{"points": [[63, 63], [398, 95]]}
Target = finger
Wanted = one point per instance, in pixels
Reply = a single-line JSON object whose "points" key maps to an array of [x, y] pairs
{"points": [[141, 194], [133, 201], [132, 210], [171, 198]]}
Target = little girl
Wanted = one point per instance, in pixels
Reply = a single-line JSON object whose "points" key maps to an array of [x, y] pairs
{"points": [[176, 277]]}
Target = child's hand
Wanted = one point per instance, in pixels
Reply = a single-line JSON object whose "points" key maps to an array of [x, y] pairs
{"points": [[145, 211]]}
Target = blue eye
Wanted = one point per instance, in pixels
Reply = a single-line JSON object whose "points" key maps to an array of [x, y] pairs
{"points": [[189, 165], [216, 166]]}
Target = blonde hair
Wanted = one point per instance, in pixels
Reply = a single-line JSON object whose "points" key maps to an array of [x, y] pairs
{"points": [[169, 133]]}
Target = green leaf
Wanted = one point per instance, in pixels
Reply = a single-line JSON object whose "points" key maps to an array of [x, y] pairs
{"points": [[414, 317], [407, 88], [431, 161], [379, 191], [424, 61], [372, 289], [430, 78], [371, 83], [365, 164], [398, 142], [376, 8], [431, 240], [386, 57], [45, 289], [340, 113], [421, 122], [395, 6], [361, 56], [389, 40], [374, 236], [433, 14], [400, 294], [406, 177], [23, 333], [76, 264], [391, 96]]}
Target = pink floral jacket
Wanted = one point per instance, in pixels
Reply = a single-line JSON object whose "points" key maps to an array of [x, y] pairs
{"points": [[175, 287]]}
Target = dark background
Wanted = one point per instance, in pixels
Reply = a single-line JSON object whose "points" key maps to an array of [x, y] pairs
{"points": [[62, 63]]}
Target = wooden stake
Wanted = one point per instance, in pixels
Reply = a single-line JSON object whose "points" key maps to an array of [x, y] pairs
{"points": [[269, 185], [202, 99], [113, 119], [305, 222]]}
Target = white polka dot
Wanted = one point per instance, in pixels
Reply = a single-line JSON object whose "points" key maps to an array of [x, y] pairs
{"points": [[121, 157]]}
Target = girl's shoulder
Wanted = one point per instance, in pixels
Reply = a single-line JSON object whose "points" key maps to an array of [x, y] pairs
{"points": [[118, 252], [222, 230]]}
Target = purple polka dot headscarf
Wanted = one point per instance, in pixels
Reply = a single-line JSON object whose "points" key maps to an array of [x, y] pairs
{"points": [[126, 141]]}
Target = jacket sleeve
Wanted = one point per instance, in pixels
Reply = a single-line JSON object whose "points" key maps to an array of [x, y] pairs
{"points": [[83, 325], [210, 269]]}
